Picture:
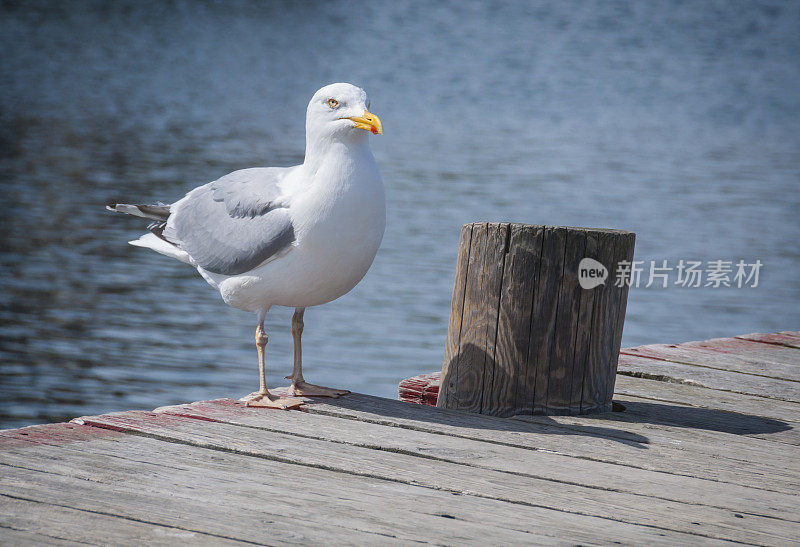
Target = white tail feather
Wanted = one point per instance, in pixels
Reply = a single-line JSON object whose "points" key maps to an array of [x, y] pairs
{"points": [[152, 241], [128, 209]]}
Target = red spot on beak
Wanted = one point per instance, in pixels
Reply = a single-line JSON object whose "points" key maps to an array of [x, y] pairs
{"points": [[374, 130]]}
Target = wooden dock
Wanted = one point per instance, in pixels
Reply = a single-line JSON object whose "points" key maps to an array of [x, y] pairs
{"points": [[706, 452]]}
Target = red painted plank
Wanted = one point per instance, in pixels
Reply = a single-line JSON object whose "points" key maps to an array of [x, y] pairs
{"points": [[784, 338], [751, 349], [142, 421], [725, 345], [212, 411], [421, 389], [52, 434]]}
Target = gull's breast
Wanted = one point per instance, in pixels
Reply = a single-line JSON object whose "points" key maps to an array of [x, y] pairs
{"points": [[338, 228], [342, 234]]}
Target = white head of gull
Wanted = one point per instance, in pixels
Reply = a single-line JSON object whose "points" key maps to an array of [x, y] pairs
{"points": [[285, 236]]}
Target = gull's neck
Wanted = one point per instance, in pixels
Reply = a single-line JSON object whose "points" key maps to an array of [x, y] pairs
{"points": [[322, 150]]}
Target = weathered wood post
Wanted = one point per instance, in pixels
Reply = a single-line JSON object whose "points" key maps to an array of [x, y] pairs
{"points": [[524, 336]]}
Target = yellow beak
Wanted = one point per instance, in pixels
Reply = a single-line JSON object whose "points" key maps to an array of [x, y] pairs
{"points": [[368, 122]]}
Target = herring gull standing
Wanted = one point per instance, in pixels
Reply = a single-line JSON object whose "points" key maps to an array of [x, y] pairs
{"points": [[285, 236]]}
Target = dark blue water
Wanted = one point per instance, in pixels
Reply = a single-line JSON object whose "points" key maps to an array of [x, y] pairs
{"points": [[679, 121]]}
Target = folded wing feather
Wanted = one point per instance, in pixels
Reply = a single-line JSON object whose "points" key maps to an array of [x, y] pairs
{"points": [[233, 224]]}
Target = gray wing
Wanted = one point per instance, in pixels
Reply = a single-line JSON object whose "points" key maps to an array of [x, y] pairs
{"points": [[233, 224]]}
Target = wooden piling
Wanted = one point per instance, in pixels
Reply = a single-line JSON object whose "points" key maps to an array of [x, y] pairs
{"points": [[524, 336]]}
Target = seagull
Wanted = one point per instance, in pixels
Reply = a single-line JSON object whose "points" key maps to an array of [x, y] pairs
{"points": [[284, 236]]}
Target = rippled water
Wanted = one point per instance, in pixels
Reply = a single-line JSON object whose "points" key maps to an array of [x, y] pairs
{"points": [[680, 122]]}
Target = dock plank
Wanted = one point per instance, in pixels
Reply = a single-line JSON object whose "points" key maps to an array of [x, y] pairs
{"points": [[25, 521], [665, 454], [705, 452], [25, 538], [694, 428], [751, 349], [697, 355], [561, 469], [789, 339], [342, 506], [723, 380], [702, 397], [448, 476], [248, 498], [741, 414]]}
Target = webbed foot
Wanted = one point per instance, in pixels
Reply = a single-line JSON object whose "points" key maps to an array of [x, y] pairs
{"points": [[268, 400], [304, 389]]}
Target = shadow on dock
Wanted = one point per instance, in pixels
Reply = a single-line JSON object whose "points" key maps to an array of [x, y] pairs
{"points": [[636, 415], [710, 419], [416, 417]]}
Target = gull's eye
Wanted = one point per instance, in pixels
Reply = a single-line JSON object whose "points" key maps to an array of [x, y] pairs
{"points": [[333, 103]]}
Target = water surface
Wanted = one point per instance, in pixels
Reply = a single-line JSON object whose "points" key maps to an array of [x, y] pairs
{"points": [[680, 122]]}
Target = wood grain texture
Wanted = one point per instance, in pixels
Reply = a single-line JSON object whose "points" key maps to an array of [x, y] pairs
{"points": [[328, 505], [470, 372], [492, 273], [560, 370], [583, 440], [544, 314], [744, 412], [687, 394], [450, 365], [471, 356], [441, 473], [363, 469], [713, 378], [421, 389], [525, 337], [583, 332], [750, 349], [710, 357], [602, 336], [699, 438], [645, 411], [787, 338], [46, 522], [509, 389], [684, 464], [623, 253], [479, 319], [200, 488]]}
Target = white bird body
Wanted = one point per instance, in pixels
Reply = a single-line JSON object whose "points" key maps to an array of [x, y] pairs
{"points": [[337, 206], [299, 236], [339, 216]]}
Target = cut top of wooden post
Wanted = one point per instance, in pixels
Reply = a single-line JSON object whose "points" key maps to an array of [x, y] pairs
{"points": [[534, 328]]}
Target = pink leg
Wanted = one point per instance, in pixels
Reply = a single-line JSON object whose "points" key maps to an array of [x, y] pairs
{"points": [[299, 385], [263, 398]]}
